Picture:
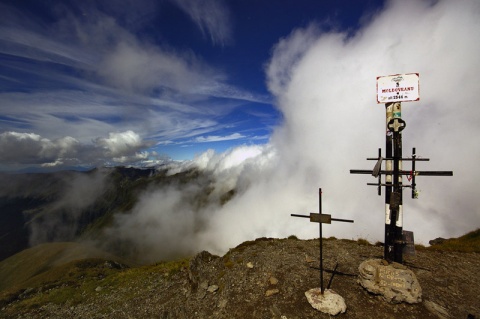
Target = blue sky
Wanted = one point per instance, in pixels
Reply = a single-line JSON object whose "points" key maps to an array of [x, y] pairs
{"points": [[117, 82], [275, 98]]}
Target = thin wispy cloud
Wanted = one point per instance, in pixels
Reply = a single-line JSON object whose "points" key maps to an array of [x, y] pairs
{"points": [[215, 138], [103, 78], [212, 17]]}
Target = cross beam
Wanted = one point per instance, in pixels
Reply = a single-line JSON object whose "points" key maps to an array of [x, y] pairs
{"points": [[322, 219], [412, 173]]}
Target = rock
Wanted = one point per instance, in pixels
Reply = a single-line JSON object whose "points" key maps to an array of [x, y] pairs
{"points": [[394, 282], [26, 293], [201, 293], [436, 309], [330, 302], [204, 285], [250, 265], [222, 303], [195, 266], [273, 281], [437, 241], [271, 292], [98, 289], [212, 288], [114, 265]]}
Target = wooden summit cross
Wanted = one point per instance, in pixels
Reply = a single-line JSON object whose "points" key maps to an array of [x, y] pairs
{"points": [[391, 91], [322, 219]]}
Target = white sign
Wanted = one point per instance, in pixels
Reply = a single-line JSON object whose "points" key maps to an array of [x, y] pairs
{"points": [[398, 88]]}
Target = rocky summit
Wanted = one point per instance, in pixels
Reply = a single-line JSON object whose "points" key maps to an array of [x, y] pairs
{"points": [[264, 278]]}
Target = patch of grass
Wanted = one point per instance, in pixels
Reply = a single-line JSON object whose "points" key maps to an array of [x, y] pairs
{"points": [[77, 281], [229, 263], [167, 268], [244, 245], [467, 243], [363, 242], [420, 247]]}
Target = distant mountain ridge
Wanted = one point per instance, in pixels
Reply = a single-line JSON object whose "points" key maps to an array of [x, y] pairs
{"points": [[70, 205]]}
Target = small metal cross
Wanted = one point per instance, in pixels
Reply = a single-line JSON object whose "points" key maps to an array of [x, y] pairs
{"points": [[322, 219]]}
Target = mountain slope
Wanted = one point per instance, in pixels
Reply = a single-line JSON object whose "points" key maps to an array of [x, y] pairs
{"points": [[68, 206], [265, 278], [40, 263]]}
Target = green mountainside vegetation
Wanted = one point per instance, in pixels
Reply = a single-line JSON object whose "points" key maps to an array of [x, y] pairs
{"points": [[72, 205]]}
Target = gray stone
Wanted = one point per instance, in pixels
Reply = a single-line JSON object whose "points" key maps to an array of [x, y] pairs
{"points": [[437, 241], [201, 294], [212, 288], [195, 274], [437, 310], [309, 259], [204, 285], [273, 280], [330, 302], [394, 282], [271, 292]]}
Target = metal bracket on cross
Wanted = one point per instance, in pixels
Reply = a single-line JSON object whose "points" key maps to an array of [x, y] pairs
{"points": [[322, 219], [396, 125]]}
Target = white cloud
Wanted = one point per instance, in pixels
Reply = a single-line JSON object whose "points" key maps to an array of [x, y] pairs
{"points": [[325, 87], [332, 121], [111, 78], [121, 142], [31, 149], [136, 158], [143, 68], [216, 138]]}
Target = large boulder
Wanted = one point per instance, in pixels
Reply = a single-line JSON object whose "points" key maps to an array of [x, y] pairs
{"points": [[394, 282]]}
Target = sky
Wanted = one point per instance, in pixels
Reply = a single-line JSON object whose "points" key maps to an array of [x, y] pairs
{"points": [[91, 83], [274, 98]]}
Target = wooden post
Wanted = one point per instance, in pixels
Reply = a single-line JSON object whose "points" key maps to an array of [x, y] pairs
{"points": [[397, 210], [398, 88], [388, 245], [322, 289]]}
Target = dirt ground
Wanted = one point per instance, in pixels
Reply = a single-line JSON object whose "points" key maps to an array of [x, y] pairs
{"points": [[267, 278]]}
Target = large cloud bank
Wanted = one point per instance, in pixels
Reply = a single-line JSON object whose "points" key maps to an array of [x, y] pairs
{"points": [[324, 83], [29, 149]]}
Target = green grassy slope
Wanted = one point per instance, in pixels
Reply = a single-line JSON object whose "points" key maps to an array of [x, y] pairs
{"points": [[40, 263], [469, 242]]}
